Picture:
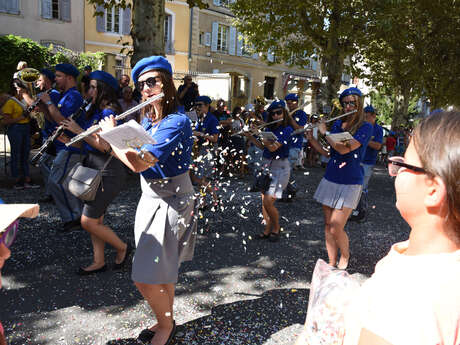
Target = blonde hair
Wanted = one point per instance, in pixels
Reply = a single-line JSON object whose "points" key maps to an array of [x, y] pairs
{"points": [[21, 65], [354, 121]]}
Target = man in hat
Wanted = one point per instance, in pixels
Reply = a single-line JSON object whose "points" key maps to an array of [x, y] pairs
{"points": [[369, 160], [207, 134], [71, 100]]}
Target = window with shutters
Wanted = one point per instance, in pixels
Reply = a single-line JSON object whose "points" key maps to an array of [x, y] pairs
{"points": [[9, 6], [222, 38], [113, 19], [55, 9]]}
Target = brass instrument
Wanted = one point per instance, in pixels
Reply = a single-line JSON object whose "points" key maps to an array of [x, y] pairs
{"points": [[28, 77], [95, 128]]}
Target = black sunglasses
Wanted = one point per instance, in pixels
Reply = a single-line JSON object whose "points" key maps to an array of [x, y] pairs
{"points": [[352, 103], [199, 104], [277, 112], [396, 163], [151, 82]]}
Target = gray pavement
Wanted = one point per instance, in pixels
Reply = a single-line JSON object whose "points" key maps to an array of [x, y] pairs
{"points": [[237, 290]]}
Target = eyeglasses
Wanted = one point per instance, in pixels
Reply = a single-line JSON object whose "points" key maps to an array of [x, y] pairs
{"points": [[199, 104], [277, 112], [395, 164], [351, 103], [10, 234], [151, 82]]}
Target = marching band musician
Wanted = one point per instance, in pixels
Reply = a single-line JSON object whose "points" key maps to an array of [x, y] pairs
{"points": [[45, 83], [340, 188], [103, 93], [275, 155], [71, 100], [207, 134], [165, 226]]}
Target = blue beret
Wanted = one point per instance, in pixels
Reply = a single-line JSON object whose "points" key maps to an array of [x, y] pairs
{"points": [[48, 73], [369, 109], [104, 77], [68, 69], [350, 91], [276, 105], [291, 97], [149, 63], [204, 99]]}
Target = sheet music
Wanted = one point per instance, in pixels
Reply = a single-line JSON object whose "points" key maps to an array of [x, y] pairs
{"points": [[343, 136], [269, 136], [128, 135]]}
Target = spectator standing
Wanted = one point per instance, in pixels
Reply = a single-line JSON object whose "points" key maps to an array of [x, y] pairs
{"points": [[391, 144], [127, 102], [369, 161], [187, 93], [84, 82], [17, 122]]}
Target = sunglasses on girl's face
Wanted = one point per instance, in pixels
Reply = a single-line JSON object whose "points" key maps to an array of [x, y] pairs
{"points": [[277, 112], [199, 104], [151, 82], [395, 164], [351, 103], [7, 237]]}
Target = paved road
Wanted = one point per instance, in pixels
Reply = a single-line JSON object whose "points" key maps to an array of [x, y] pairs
{"points": [[237, 290]]}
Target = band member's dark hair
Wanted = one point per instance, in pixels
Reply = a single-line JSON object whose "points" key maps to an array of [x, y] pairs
{"points": [[284, 123], [106, 98]]}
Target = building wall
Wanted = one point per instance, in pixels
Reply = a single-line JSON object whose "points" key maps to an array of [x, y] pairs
{"points": [[111, 43], [244, 65], [28, 22]]}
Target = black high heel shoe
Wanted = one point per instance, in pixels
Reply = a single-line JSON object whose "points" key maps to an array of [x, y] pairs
{"points": [[82, 272]]}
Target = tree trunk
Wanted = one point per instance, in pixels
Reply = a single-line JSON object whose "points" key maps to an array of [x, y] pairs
{"points": [[148, 29], [400, 109]]}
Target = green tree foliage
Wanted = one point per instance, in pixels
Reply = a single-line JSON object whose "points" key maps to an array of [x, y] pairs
{"points": [[15, 48], [411, 48], [384, 105], [147, 29], [297, 30]]}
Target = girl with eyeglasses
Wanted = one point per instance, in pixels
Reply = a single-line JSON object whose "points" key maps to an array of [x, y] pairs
{"points": [[413, 297], [165, 224], [275, 159], [104, 103], [340, 188]]}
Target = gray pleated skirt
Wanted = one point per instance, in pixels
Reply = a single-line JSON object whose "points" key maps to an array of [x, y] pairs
{"points": [[164, 230], [280, 171], [337, 195]]}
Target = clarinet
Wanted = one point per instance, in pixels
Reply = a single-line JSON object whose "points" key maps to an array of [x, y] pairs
{"points": [[57, 132], [36, 102]]}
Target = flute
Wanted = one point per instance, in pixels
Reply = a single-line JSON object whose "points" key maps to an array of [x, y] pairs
{"points": [[309, 126], [95, 128], [257, 128], [37, 101]]}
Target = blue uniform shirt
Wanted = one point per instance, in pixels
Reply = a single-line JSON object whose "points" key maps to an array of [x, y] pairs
{"points": [[301, 118], [370, 156], [346, 169], [94, 120], [69, 103], [50, 126], [207, 125], [284, 137], [173, 148]]}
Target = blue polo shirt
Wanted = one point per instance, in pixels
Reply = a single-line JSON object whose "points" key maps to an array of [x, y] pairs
{"points": [[370, 157], [301, 118], [207, 125], [173, 148], [69, 103], [50, 126], [284, 137], [347, 169]]}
